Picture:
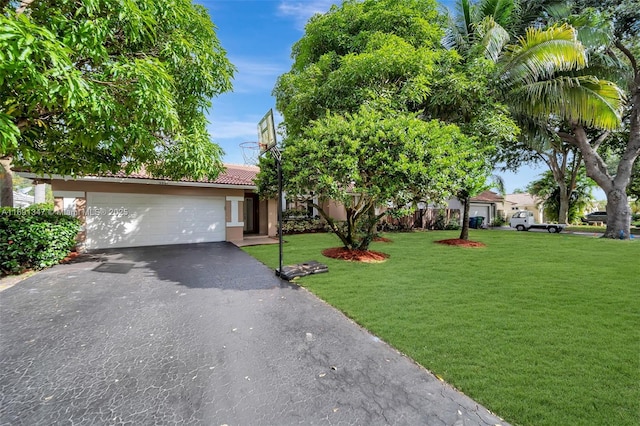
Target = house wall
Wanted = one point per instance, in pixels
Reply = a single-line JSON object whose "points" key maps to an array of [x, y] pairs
{"points": [[335, 210], [268, 217], [524, 202], [234, 199]]}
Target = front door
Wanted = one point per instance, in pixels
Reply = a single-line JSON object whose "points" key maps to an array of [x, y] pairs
{"points": [[251, 214]]}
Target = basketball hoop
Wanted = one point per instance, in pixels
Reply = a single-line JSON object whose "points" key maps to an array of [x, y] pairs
{"points": [[250, 152]]}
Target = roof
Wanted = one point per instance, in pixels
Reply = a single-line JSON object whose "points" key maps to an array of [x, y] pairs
{"points": [[523, 199], [487, 197], [233, 175]]}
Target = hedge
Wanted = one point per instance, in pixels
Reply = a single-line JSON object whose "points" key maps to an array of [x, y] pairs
{"points": [[34, 238]]}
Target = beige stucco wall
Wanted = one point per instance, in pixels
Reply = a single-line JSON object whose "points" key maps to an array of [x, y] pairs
{"points": [[234, 233], [335, 210], [272, 218]]}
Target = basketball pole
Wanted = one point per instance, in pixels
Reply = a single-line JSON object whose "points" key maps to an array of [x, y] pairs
{"points": [[278, 157], [267, 136]]}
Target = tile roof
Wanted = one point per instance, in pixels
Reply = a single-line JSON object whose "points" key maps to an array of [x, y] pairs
{"points": [[234, 174], [488, 196], [523, 199]]}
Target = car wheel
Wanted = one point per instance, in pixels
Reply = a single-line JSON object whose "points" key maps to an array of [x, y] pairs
{"points": [[552, 229], [520, 227]]}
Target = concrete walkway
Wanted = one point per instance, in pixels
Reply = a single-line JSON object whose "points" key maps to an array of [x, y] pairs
{"points": [[200, 334]]}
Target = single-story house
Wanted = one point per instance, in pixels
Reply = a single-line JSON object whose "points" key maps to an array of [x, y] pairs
{"points": [[133, 210], [523, 201], [483, 205]]}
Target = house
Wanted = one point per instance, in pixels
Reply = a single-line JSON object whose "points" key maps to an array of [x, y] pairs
{"points": [[121, 210], [486, 205], [524, 201]]}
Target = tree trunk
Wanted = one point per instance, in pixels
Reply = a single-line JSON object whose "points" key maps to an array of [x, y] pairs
{"points": [[618, 214], [6, 182], [464, 233], [563, 208], [618, 211]]}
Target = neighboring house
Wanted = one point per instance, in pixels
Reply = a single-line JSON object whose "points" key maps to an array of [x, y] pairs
{"points": [[22, 200], [523, 201], [139, 210], [486, 205]]}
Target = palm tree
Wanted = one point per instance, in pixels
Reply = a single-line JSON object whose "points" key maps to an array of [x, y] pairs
{"points": [[547, 190], [541, 77]]}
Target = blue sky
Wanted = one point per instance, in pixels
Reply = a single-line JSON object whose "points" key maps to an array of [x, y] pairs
{"points": [[258, 36]]}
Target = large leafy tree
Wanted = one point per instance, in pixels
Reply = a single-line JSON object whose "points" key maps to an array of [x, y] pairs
{"points": [[94, 86], [353, 106], [374, 158]]}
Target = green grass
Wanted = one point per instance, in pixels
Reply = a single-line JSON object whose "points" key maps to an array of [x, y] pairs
{"points": [[542, 329]]}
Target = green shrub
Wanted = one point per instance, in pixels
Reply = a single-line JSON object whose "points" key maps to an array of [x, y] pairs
{"points": [[498, 221], [303, 226], [452, 225], [34, 238]]}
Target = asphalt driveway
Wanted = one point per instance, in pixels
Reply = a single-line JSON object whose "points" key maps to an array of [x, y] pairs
{"points": [[200, 334]]}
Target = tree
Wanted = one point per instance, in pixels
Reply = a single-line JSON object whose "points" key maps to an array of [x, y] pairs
{"points": [[547, 190], [537, 76], [618, 45], [354, 113], [372, 159], [95, 86]]}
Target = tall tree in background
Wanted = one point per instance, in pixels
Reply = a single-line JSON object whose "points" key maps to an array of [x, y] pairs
{"points": [[539, 78], [547, 190], [94, 86]]}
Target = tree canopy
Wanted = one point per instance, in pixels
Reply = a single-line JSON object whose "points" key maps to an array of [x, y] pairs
{"points": [[94, 86]]}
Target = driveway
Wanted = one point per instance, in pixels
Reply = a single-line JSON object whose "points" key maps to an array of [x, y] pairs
{"points": [[200, 334]]}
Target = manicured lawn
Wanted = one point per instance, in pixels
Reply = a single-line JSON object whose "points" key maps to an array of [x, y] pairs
{"points": [[542, 329]]}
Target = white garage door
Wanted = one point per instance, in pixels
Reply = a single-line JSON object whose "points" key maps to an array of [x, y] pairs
{"points": [[475, 210], [131, 220]]}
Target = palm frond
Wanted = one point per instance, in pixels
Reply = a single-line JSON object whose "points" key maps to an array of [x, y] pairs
{"points": [[541, 53], [582, 99], [492, 37], [500, 10]]}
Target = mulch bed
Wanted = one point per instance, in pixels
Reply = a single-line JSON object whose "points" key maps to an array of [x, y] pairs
{"points": [[71, 257], [460, 243], [367, 256]]}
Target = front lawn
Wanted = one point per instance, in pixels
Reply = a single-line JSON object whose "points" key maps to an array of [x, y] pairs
{"points": [[542, 329]]}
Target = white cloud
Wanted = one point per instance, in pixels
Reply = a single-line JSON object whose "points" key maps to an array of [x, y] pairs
{"points": [[301, 11]]}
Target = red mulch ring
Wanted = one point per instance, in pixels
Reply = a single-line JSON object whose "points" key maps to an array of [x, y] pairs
{"points": [[461, 243], [70, 257], [382, 240], [367, 256]]}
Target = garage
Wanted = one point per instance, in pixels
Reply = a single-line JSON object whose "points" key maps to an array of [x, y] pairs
{"points": [[476, 210], [132, 220]]}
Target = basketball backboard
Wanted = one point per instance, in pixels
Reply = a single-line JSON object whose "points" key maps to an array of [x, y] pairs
{"points": [[266, 132]]}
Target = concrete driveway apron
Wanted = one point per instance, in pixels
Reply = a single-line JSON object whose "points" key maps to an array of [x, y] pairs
{"points": [[200, 334]]}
